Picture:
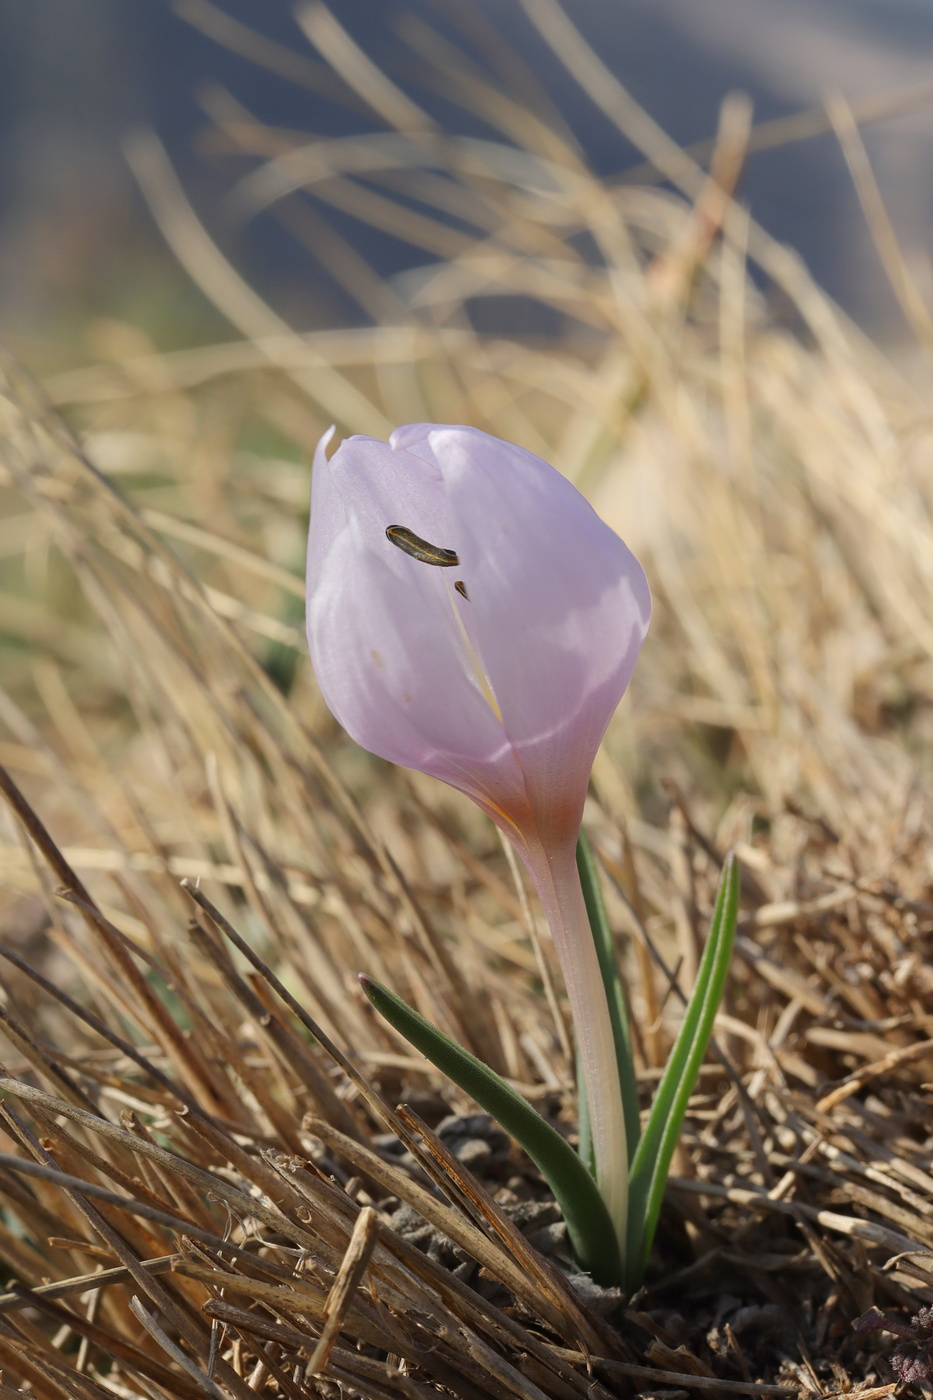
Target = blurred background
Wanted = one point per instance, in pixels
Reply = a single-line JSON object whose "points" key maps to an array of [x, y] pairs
{"points": [[681, 252], [76, 240]]}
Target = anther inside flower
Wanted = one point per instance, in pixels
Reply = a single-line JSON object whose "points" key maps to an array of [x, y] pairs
{"points": [[503, 688]]}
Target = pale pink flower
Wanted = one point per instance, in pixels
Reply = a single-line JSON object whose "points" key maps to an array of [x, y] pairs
{"points": [[502, 686]]}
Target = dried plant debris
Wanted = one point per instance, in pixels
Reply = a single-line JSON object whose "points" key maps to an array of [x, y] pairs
{"points": [[181, 1214], [912, 1358], [220, 1173]]}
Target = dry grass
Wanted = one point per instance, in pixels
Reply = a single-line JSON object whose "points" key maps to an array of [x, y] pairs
{"points": [[208, 1141]]}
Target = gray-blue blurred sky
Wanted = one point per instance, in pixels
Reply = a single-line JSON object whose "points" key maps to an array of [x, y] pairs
{"points": [[75, 75]]}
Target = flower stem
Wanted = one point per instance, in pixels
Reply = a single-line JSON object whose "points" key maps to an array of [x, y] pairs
{"points": [[612, 981], [558, 884]]}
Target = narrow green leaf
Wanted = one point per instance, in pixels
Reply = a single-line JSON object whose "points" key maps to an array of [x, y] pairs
{"points": [[589, 1224], [653, 1158], [615, 995], [584, 1128]]}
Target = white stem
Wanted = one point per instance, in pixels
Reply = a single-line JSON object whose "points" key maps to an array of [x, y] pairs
{"points": [[558, 885]]}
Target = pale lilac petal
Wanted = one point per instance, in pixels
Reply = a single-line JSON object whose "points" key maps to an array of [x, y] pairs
{"points": [[380, 487], [389, 661], [391, 658], [328, 515], [559, 605], [416, 438]]}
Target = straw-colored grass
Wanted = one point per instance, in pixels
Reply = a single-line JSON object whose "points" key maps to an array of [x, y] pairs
{"points": [[196, 1095]]}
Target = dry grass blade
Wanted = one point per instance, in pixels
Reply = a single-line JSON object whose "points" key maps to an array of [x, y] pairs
{"points": [[84, 1283], [534, 1286], [555, 1298], [348, 1279], [876, 216], [803, 126], [197, 1102], [257, 48]]}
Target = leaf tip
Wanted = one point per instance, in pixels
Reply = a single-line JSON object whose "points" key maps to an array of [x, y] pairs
{"points": [[369, 987]]}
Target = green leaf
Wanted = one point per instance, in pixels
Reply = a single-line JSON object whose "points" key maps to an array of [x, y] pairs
{"points": [[615, 995], [584, 1127], [653, 1157], [589, 1224]]}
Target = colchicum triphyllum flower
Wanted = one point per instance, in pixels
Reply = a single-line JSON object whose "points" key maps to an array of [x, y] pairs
{"points": [[470, 616]]}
